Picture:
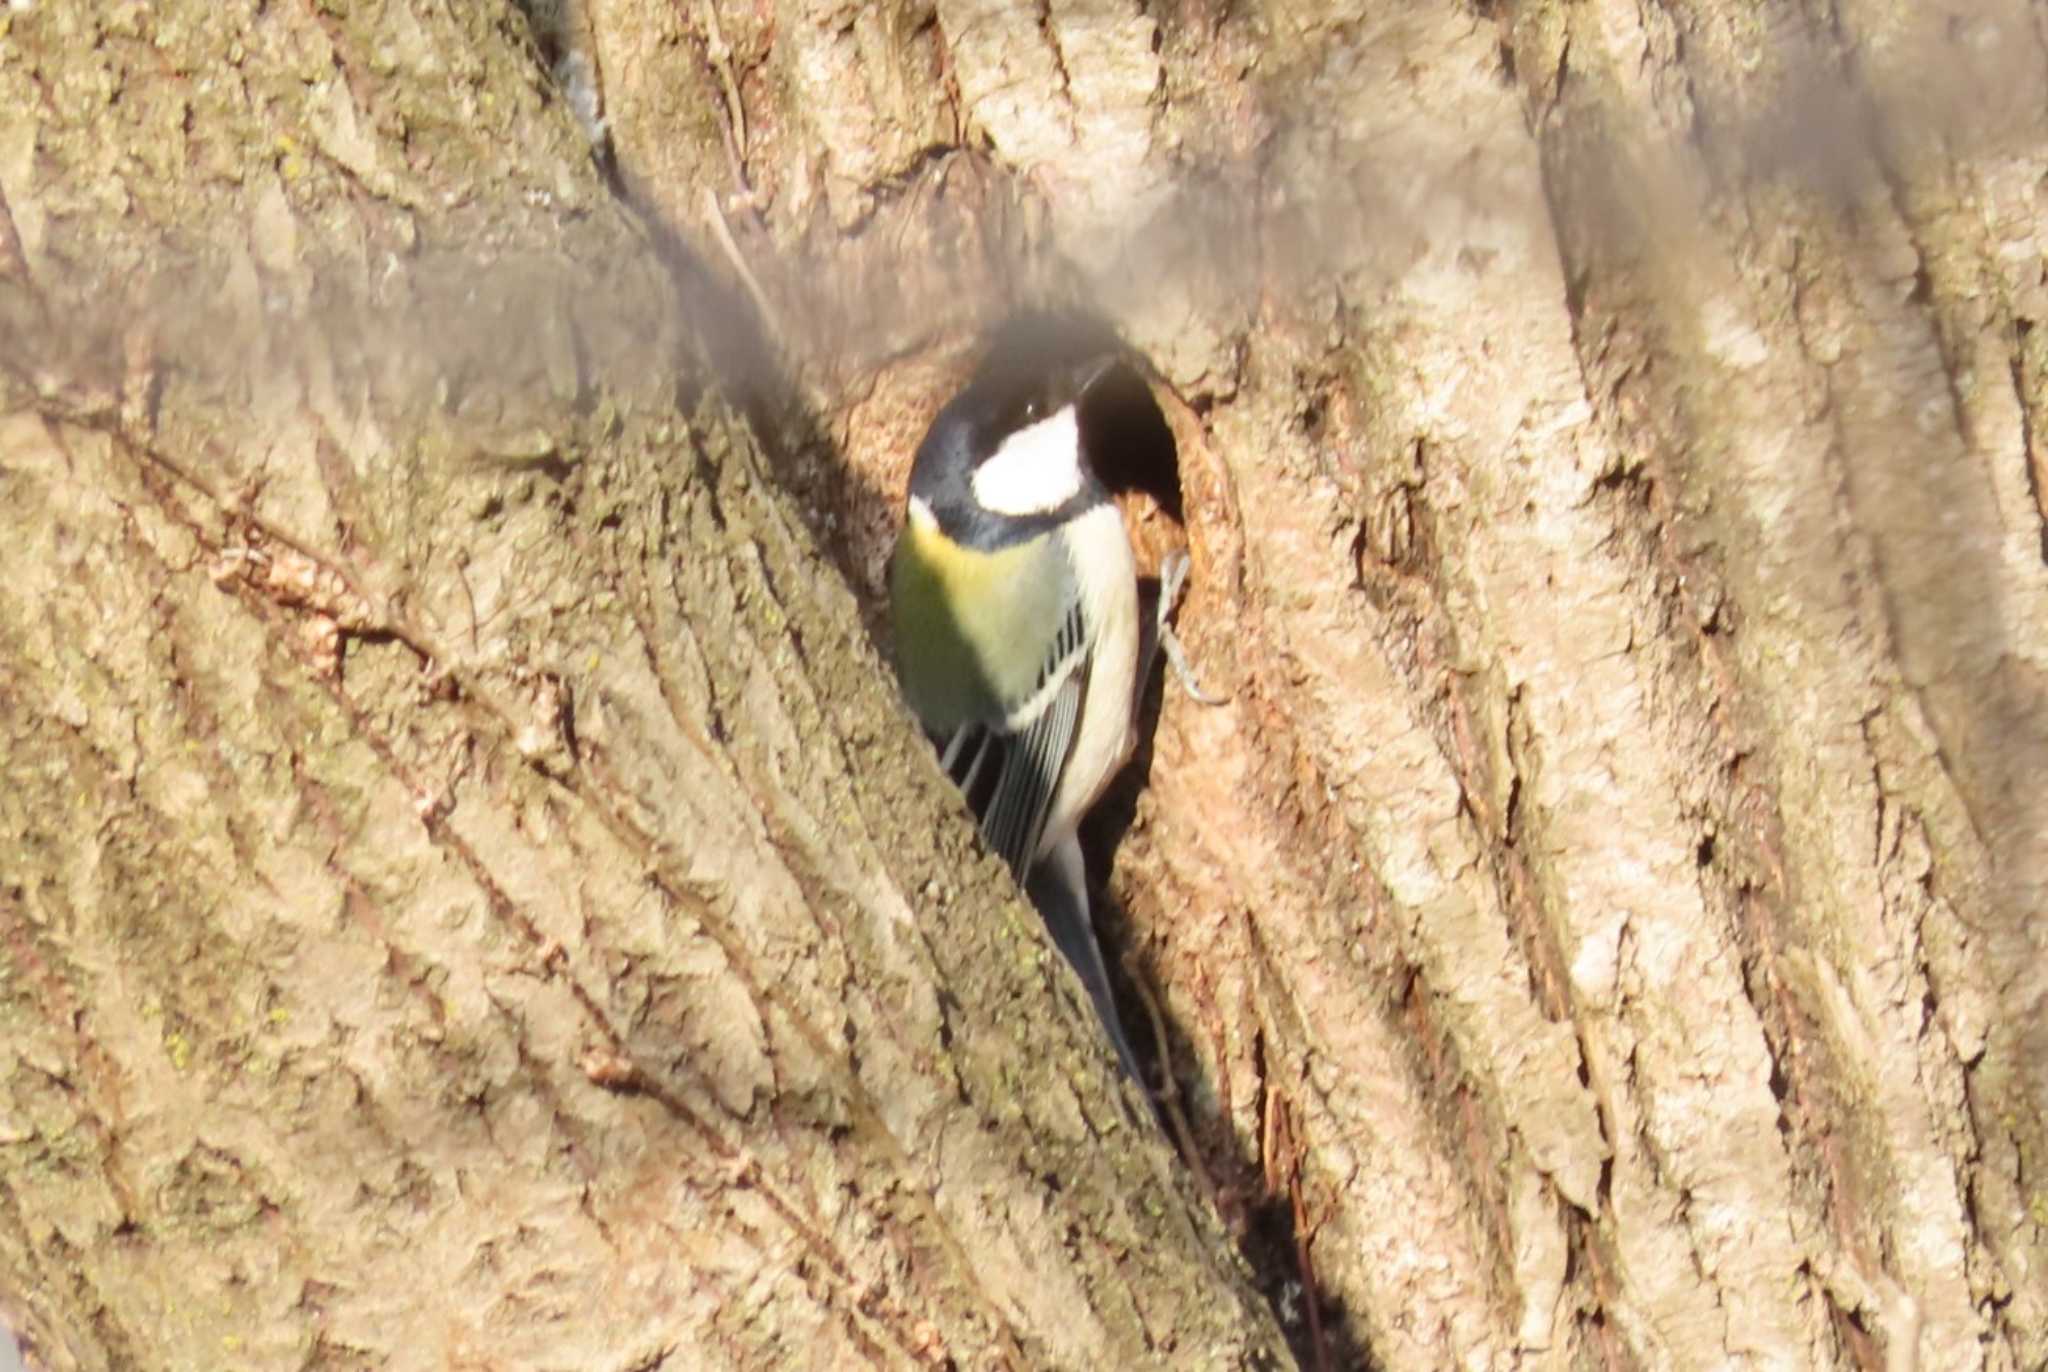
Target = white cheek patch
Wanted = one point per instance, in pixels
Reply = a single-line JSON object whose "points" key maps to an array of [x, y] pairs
{"points": [[1037, 469]]}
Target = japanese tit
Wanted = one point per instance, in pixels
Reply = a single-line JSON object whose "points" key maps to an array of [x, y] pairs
{"points": [[1014, 597]]}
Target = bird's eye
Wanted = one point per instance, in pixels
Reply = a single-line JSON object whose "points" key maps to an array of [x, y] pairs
{"points": [[1032, 408]]}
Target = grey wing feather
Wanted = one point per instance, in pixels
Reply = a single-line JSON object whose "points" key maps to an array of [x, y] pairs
{"points": [[965, 755], [1031, 773], [1010, 779]]}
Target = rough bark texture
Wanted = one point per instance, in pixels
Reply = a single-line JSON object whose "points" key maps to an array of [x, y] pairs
{"points": [[467, 898], [468, 895]]}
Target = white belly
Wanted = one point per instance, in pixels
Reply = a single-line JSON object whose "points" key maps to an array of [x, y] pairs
{"points": [[1109, 596]]}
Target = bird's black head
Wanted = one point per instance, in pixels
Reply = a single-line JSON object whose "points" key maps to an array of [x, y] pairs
{"points": [[1005, 459]]}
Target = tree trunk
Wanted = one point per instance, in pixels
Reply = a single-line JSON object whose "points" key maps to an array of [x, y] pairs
{"points": [[468, 896], [471, 895]]}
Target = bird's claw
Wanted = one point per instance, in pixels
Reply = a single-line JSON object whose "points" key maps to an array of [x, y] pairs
{"points": [[1173, 576]]}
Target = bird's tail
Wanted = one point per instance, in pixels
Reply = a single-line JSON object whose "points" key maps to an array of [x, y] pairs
{"points": [[1058, 886]]}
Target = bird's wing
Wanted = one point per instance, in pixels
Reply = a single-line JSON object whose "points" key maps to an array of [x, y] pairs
{"points": [[1009, 768]]}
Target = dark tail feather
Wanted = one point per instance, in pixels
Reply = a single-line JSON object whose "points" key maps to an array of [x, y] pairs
{"points": [[1058, 887]]}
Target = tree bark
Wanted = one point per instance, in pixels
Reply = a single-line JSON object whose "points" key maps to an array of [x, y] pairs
{"points": [[467, 895], [471, 897]]}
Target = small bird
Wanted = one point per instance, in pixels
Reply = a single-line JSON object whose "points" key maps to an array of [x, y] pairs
{"points": [[1014, 598]]}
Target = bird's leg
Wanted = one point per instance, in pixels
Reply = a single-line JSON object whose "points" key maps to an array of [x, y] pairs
{"points": [[1173, 576]]}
